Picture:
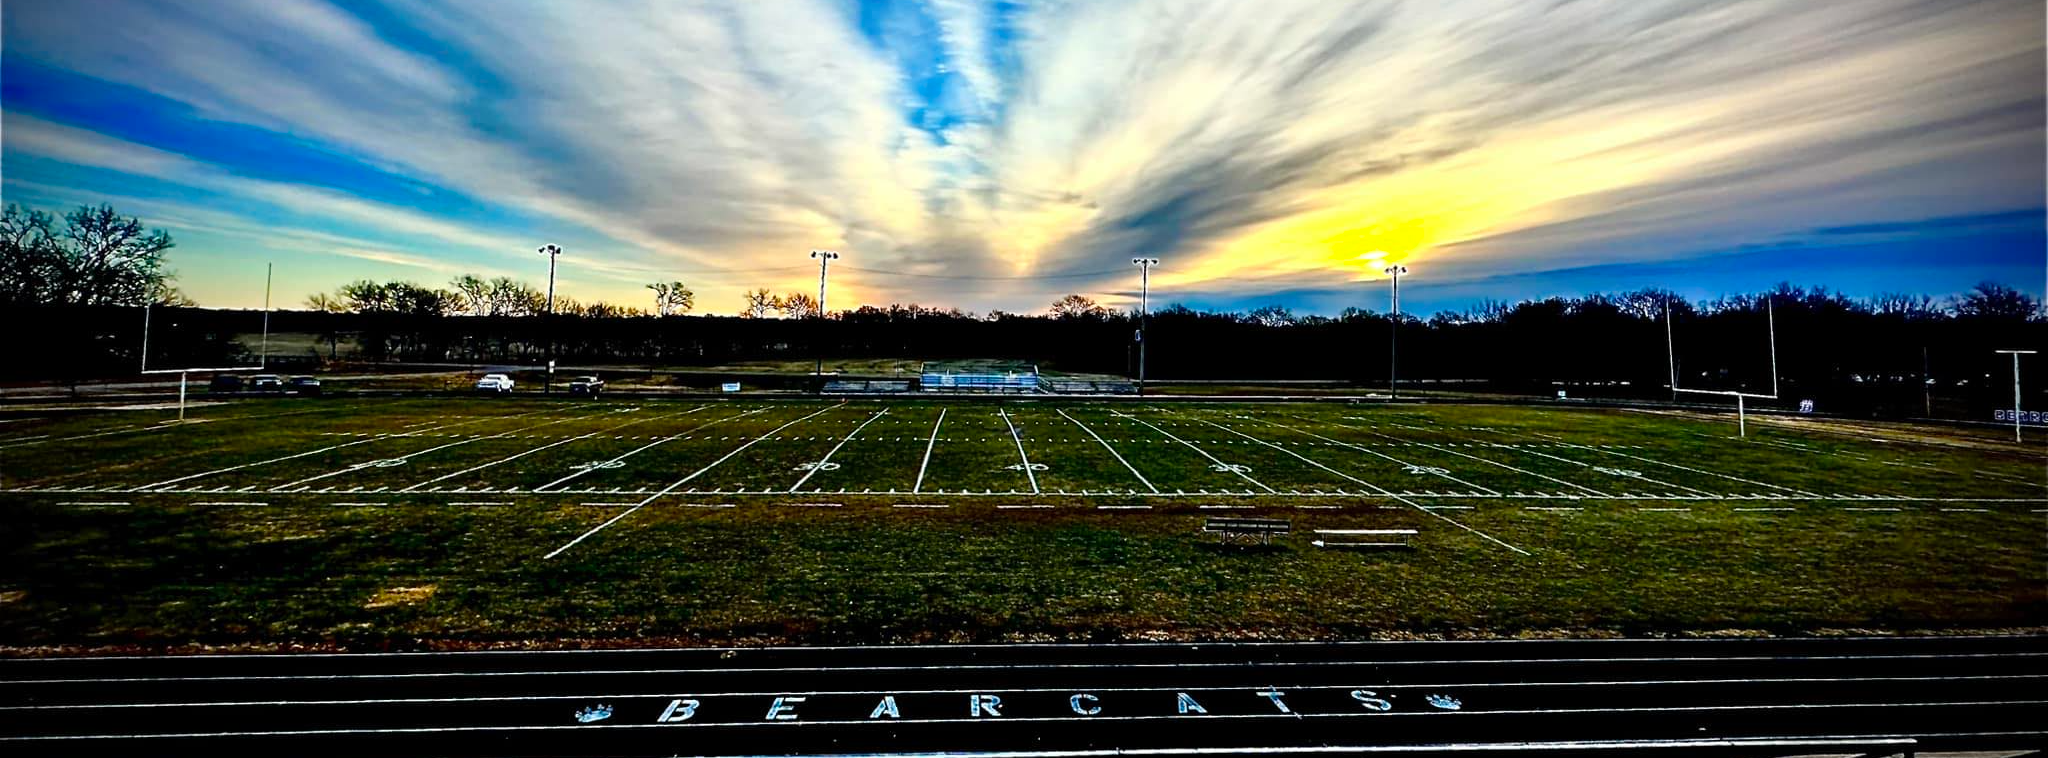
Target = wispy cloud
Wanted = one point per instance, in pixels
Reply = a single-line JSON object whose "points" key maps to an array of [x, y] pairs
{"points": [[1255, 146]]}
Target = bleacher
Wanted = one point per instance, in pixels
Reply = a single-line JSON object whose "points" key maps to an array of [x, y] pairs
{"points": [[866, 386], [1089, 386], [979, 377]]}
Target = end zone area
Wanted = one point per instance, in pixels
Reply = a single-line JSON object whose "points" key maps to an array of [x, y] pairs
{"points": [[452, 523]]}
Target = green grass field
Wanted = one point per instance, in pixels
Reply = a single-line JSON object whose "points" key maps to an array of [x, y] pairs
{"points": [[369, 522]]}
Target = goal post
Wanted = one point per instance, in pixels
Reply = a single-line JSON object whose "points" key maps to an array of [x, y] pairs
{"points": [[184, 374], [1741, 398]]}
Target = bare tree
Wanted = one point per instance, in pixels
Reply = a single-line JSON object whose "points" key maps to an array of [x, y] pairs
{"points": [[99, 258], [672, 298], [474, 293], [798, 305], [1077, 307], [759, 304], [1991, 300]]}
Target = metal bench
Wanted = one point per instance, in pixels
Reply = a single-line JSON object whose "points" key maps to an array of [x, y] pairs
{"points": [[1365, 538], [1248, 531]]}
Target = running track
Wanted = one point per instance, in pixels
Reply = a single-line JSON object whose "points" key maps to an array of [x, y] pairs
{"points": [[1721, 697]]}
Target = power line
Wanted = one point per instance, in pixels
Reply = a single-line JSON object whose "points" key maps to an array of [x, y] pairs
{"points": [[1030, 277]]}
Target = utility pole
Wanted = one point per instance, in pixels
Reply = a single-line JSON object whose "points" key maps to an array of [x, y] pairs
{"points": [[2016, 390], [548, 382], [825, 258], [1394, 273], [263, 356], [1926, 386], [1144, 311]]}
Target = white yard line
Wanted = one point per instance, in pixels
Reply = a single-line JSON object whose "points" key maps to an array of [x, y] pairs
{"points": [[1028, 475], [1205, 454], [1112, 451], [1382, 490], [1364, 449], [543, 489], [517, 456], [918, 487], [685, 480], [820, 465], [162, 425], [409, 456], [316, 452], [1676, 466], [1638, 477], [1483, 460]]}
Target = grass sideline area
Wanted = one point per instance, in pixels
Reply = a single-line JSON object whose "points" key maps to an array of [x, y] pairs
{"points": [[366, 523]]}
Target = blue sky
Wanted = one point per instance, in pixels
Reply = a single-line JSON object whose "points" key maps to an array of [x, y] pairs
{"points": [[999, 154]]}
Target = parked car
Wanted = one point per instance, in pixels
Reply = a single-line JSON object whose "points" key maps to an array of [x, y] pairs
{"points": [[225, 384], [266, 383], [498, 383], [586, 385], [303, 385]]}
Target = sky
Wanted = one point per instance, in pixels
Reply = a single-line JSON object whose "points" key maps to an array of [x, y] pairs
{"points": [[996, 155]]}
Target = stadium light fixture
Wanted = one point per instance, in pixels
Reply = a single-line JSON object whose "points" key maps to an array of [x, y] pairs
{"points": [[1144, 311], [1394, 274], [825, 258], [551, 251], [2016, 389]]}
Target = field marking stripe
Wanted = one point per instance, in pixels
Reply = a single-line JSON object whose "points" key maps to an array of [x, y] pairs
{"points": [[928, 445], [835, 448], [1363, 449], [1204, 453], [1384, 491], [543, 489], [517, 456], [321, 450], [1657, 482], [1112, 451], [1584, 464], [437, 448], [1495, 746], [162, 425], [747, 693], [1031, 477], [683, 481], [1676, 466], [1481, 460]]}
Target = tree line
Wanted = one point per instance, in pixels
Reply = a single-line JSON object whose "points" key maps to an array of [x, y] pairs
{"points": [[81, 284]]}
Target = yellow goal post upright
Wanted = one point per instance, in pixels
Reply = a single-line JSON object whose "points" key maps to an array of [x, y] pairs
{"points": [[184, 374], [1741, 398]]}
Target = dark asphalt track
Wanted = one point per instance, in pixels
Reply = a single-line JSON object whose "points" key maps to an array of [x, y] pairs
{"points": [[1723, 697]]}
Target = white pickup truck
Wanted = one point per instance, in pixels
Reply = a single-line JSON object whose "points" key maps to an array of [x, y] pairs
{"points": [[499, 383]]}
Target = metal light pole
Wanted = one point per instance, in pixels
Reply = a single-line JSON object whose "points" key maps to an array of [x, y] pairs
{"points": [[550, 250], [1394, 273], [1144, 311], [2016, 390], [825, 258], [548, 381]]}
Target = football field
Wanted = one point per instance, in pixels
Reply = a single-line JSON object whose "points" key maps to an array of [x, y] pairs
{"points": [[528, 519]]}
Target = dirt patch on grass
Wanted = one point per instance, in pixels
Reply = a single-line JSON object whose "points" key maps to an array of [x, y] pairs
{"points": [[396, 596]]}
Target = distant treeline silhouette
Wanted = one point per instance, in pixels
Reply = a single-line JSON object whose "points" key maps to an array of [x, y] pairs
{"points": [[1853, 355]]}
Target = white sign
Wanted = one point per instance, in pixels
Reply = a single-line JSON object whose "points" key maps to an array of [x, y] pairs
{"points": [[729, 387], [1806, 406], [2025, 417], [1560, 394]]}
